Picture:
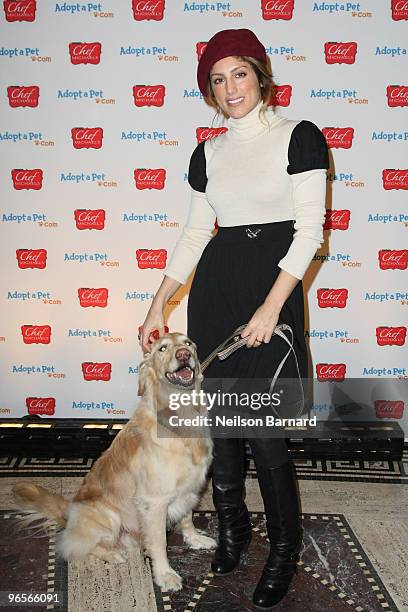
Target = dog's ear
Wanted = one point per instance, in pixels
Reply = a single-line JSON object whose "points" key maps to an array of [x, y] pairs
{"points": [[147, 378], [142, 375]]}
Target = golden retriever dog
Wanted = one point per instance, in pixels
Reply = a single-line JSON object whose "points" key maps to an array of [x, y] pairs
{"points": [[148, 478]]}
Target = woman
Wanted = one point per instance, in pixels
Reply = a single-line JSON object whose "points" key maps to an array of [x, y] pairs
{"points": [[264, 181]]}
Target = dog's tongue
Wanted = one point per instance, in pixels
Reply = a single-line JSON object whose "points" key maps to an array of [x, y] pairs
{"points": [[184, 373]]}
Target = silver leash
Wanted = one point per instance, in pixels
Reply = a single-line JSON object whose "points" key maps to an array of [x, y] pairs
{"points": [[222, 352]]}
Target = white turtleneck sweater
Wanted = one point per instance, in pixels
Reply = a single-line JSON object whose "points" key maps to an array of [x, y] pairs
{"points": [[264, 169]]}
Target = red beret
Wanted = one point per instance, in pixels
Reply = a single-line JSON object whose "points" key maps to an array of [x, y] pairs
{"points": [[224, 44]]}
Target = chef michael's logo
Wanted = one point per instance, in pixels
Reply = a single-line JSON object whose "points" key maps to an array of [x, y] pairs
{"points": [[397, 95], [387, 336], [206, 133], [395, 179], [23, 96], [149, 95], [151, 258], [148, 9], [332, 298], [150, 178], [96, 371], [36, 334], [337, 220], [89, 219], [31, 258], [330, 371], [93, 297], [20, 10], [392, 259], [399, 9], [277, 9], [282, 95], [340, 52], [85, 53], [27, 179], [200, 48], [338, 138], [389, 409], [87, 138], [40, 405]]}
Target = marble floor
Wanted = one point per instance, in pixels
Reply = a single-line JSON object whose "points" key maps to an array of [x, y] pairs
{"points": [[376, 512]]}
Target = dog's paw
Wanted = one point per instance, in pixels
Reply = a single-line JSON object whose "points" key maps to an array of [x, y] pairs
{"points": [[168, 580], [199, 540]]}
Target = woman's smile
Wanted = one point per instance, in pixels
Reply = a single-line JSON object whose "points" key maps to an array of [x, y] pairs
{"points": [[235, 101]]}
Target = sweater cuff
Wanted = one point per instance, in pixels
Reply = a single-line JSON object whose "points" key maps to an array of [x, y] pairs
{"points": [[309, 195], [299, 256]]}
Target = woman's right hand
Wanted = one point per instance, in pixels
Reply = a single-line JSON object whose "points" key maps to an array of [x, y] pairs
{"points": [[154, 320]]}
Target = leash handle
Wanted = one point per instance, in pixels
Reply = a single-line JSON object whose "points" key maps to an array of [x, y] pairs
{"points": [[222, 352], [279, 332]]}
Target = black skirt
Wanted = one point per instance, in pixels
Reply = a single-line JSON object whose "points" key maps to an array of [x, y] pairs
{"points": [[233, 277]]}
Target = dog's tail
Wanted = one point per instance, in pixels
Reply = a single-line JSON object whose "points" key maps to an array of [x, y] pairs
{"points": [[42, 507], [82, 525]]}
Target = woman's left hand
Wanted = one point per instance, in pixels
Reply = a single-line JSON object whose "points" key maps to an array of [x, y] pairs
{"points": [[261, 325]]}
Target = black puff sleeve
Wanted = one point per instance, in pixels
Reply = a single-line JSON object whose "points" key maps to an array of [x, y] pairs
{"points": [[197, 171], [307, 148]]}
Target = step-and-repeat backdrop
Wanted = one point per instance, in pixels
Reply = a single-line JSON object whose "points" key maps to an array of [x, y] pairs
{"points": [[100, 112]]}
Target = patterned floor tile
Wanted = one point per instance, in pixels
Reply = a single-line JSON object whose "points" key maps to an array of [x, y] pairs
{"points": [[313, 469], [334, 573]]}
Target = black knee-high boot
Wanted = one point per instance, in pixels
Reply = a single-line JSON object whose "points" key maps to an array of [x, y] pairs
{"points": [[228, 488], [279, 493]]}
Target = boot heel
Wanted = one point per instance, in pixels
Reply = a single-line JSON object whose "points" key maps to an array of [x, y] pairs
{"points": [[278, 488], [235, 537], [231, 564]]}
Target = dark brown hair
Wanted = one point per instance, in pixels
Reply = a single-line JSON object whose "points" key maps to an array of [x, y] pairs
{"points": [[263, 72]]}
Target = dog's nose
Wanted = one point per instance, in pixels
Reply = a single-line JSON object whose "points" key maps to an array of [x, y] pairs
{"points": [[183, 354]]}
